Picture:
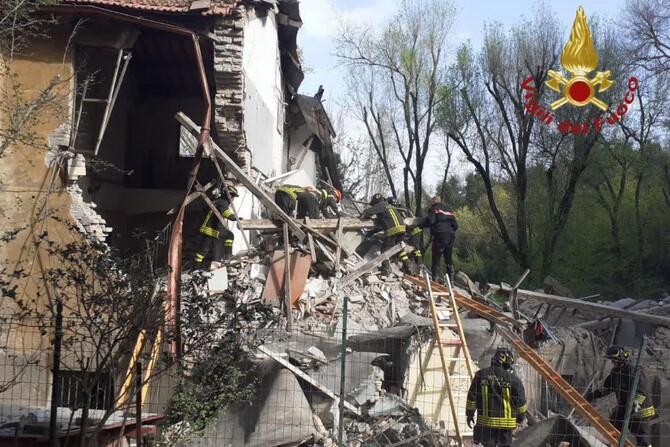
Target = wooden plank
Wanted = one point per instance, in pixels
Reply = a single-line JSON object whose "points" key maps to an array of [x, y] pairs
{"points": [[303, 153], [604, 322], [298, 372], [325, 224], [191, 197], [287, 280], [338, 240], [368, 267], [247, 181], [310, 240], [560, 301]]}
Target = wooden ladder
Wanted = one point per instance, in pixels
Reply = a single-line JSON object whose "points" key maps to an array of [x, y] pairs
{"points": [[461, 354], [610, 434]]}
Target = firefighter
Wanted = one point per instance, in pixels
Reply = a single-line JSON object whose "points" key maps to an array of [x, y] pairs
{"points": [[286, 197], [313, 203], [443, 226], [620, 382], [498, 397], [212, 230], [414, 234], [394, 229]]}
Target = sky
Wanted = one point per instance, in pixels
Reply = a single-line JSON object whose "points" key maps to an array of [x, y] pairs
{"points": [[316, 37]]}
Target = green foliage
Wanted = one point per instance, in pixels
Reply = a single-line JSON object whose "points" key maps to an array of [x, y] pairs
{"points": [[216, 383]]}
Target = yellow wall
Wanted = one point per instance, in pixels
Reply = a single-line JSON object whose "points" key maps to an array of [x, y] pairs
{"points": [[25, 180]]}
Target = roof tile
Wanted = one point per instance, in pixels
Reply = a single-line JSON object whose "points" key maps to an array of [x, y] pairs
{"points": [[218, 7]]}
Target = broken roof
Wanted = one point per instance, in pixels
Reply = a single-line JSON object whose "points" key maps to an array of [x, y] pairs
{"points": [[206, 7]]}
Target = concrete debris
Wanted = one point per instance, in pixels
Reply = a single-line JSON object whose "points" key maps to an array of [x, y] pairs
{"points": [[218, 280], [389, 335]]}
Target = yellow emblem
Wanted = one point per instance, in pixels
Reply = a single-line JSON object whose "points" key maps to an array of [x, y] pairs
{"points": [[579, 57]]}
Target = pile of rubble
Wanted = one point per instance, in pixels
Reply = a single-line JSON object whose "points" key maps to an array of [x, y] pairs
{"points": [[301, 372]]}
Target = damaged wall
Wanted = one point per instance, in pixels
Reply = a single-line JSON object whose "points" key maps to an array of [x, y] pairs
{"points": [[25, 182], [264, 92]]}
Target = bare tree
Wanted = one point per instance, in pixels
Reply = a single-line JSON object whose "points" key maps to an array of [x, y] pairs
{"points": [[395, 76], [486, 116], [20, 22], [647, 28]]}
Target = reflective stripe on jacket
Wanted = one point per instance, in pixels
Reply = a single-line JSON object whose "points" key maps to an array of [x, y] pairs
{"points": [[498, 397], [291, 190]]}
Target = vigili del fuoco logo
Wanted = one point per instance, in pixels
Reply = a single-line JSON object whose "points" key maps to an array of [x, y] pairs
{"points": [[579, 58]]}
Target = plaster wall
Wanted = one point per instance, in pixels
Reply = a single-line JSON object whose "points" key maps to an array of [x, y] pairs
{"points": [[264, 98], [29, 193]]}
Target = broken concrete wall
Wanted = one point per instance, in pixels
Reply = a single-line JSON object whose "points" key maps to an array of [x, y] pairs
{"points": [[265, 421]]}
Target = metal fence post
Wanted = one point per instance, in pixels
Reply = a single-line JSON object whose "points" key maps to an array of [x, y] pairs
{"points": [[633, 392], [340, 437], [55, 387]]}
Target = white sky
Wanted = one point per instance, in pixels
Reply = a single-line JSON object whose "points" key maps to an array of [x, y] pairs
{"points": [[319, 26]]}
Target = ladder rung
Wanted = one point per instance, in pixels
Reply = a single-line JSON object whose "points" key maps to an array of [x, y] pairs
{"points": [[449, 325], [94, 100], [452, 342]]}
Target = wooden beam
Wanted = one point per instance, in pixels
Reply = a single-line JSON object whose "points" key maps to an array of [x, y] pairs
{"points": [[303, 152], [310, 240], [604, 322], [368, 267], [300, 373], [191, 197], [338, 241], [325, 224], [243, 178], [287, 280], [572, 303]]}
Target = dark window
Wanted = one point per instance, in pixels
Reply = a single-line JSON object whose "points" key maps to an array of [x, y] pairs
{"points": [[73, 386]]}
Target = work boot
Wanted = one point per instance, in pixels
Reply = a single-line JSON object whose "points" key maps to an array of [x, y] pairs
{"points": [[386, 268], [407, 267]]}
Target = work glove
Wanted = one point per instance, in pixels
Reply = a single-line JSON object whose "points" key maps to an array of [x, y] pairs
{"points": [[520, 419], [240, 219], [636, 407], [471, 421]]}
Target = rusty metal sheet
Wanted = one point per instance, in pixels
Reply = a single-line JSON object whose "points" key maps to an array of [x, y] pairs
{"points": [[274, 285]]}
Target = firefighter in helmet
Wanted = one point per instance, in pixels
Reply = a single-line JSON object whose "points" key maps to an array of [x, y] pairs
{"points": [[314, 202], [286, 197], [394, 228], [414, 234], [620, 382], [498, 397], [212, 230]]}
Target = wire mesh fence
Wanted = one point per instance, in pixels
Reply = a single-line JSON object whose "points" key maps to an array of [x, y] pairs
{"points": [[268, 387]]}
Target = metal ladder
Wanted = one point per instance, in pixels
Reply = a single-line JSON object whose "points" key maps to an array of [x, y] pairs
{"points": [[586, 410], [461, 352]]}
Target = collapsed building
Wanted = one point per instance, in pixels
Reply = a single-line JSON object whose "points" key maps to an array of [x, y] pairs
{"points": [[137, 78]]}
